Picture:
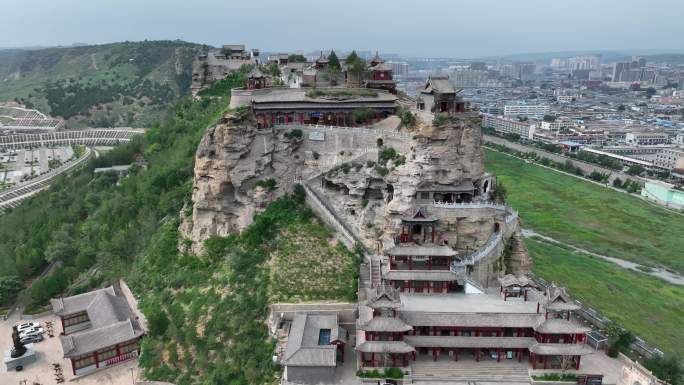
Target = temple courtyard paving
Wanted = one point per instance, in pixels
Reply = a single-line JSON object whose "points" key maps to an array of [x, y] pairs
{"points": [[49, 352]]}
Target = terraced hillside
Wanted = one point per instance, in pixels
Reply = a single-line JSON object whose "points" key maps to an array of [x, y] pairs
{"points": [[121, 84]]}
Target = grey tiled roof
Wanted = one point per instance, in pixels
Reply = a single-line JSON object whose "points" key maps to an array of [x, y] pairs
{"points": [[561, 349], [384, 297], [302, 343], [470, 319], [420, 275], [469, 342], [298, 95], [439, 85], [94, 339], [385, 324], [111, 318], [558, 299], [560, 326], [511, 280], [416, 250], [385, 347], [77, 303]]}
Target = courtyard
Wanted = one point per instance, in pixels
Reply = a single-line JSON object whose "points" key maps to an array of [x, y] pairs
{"points": [[49, 352]]}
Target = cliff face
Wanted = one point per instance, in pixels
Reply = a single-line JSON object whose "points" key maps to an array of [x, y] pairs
{"points": [[231, 160], [446, 155], [370, 178]]}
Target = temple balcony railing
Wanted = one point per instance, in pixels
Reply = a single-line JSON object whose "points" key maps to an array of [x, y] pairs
{"points": [[511, 214], [330, 128], [474, 257]]}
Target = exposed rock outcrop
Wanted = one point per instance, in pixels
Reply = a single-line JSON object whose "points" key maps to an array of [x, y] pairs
{"points": [[370, 179], [231, 159]]}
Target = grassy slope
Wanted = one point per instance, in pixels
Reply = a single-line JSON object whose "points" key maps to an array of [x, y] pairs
{"points": [[643, 304], [589, 216], [221, 299], [24, 76], [608, 222]]}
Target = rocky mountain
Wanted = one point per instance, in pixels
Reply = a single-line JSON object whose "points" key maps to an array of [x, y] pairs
{"points": [[370, 180]]}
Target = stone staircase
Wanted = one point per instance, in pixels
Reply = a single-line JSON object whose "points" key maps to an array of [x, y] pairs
{"points": [[470, 372], [375, 271]]}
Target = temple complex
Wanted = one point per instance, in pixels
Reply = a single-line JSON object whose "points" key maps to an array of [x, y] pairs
{"points": [[396, 328]]}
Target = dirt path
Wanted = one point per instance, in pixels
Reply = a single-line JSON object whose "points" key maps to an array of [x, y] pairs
{"points": [[658, 272]]}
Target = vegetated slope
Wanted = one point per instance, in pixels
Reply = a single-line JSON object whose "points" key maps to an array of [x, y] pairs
{"points": [[206, 313], [85, 220], [120, 84], [590, 216], [642, 304]]}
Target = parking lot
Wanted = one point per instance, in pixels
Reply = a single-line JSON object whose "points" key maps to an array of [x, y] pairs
{"points": [[49, 353]]}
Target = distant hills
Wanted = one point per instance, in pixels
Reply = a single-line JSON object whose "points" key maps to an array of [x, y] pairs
{"points": [[120, 84]]}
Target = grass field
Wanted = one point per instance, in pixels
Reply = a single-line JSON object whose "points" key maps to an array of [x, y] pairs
{"points": [[590, 216], [645, 305]]}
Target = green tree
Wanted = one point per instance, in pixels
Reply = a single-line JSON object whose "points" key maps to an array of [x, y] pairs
{"points": [[617, 183], [363, 115], [10, 286], [549, 118], [334, 61], [62, 245], [296, 58], [668, 368], [635, 169]]}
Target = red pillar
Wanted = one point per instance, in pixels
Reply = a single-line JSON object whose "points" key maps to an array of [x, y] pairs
{"points": [[394, 360], [363, 360], [434, 354], [455, 354], [498, 356], [410, 262], [546, 362], [287, 118], [429, 263], [73, 367], [61, 319], [520, 354], [537, 307], [373, 360], [405, 359], [577, 365], [97, 361], [533, 359], [477, 354], [433, 233]]}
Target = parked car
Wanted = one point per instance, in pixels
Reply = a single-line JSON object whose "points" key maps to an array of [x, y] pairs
{"points": [[36, 330], [28, 325], [31, 338]]}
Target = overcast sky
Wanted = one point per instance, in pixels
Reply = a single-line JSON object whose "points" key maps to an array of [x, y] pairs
{"points": [[452, 28]]}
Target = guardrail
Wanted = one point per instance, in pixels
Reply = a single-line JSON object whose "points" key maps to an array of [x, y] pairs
{"points": [[360, 130], [96, 136], [511, 213], [14, 196]]}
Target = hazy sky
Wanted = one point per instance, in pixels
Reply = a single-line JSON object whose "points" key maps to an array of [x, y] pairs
{"points": [[453, 28]]}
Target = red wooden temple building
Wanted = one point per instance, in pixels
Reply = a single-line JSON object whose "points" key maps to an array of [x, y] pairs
{"points": [[100, 328], [521, 323]]}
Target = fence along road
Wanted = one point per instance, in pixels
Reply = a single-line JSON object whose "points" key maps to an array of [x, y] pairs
{"points": [[89, 137]]}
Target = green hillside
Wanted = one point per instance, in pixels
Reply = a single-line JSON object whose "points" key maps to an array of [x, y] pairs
{"points": [[120, 84], [206, 313]]}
